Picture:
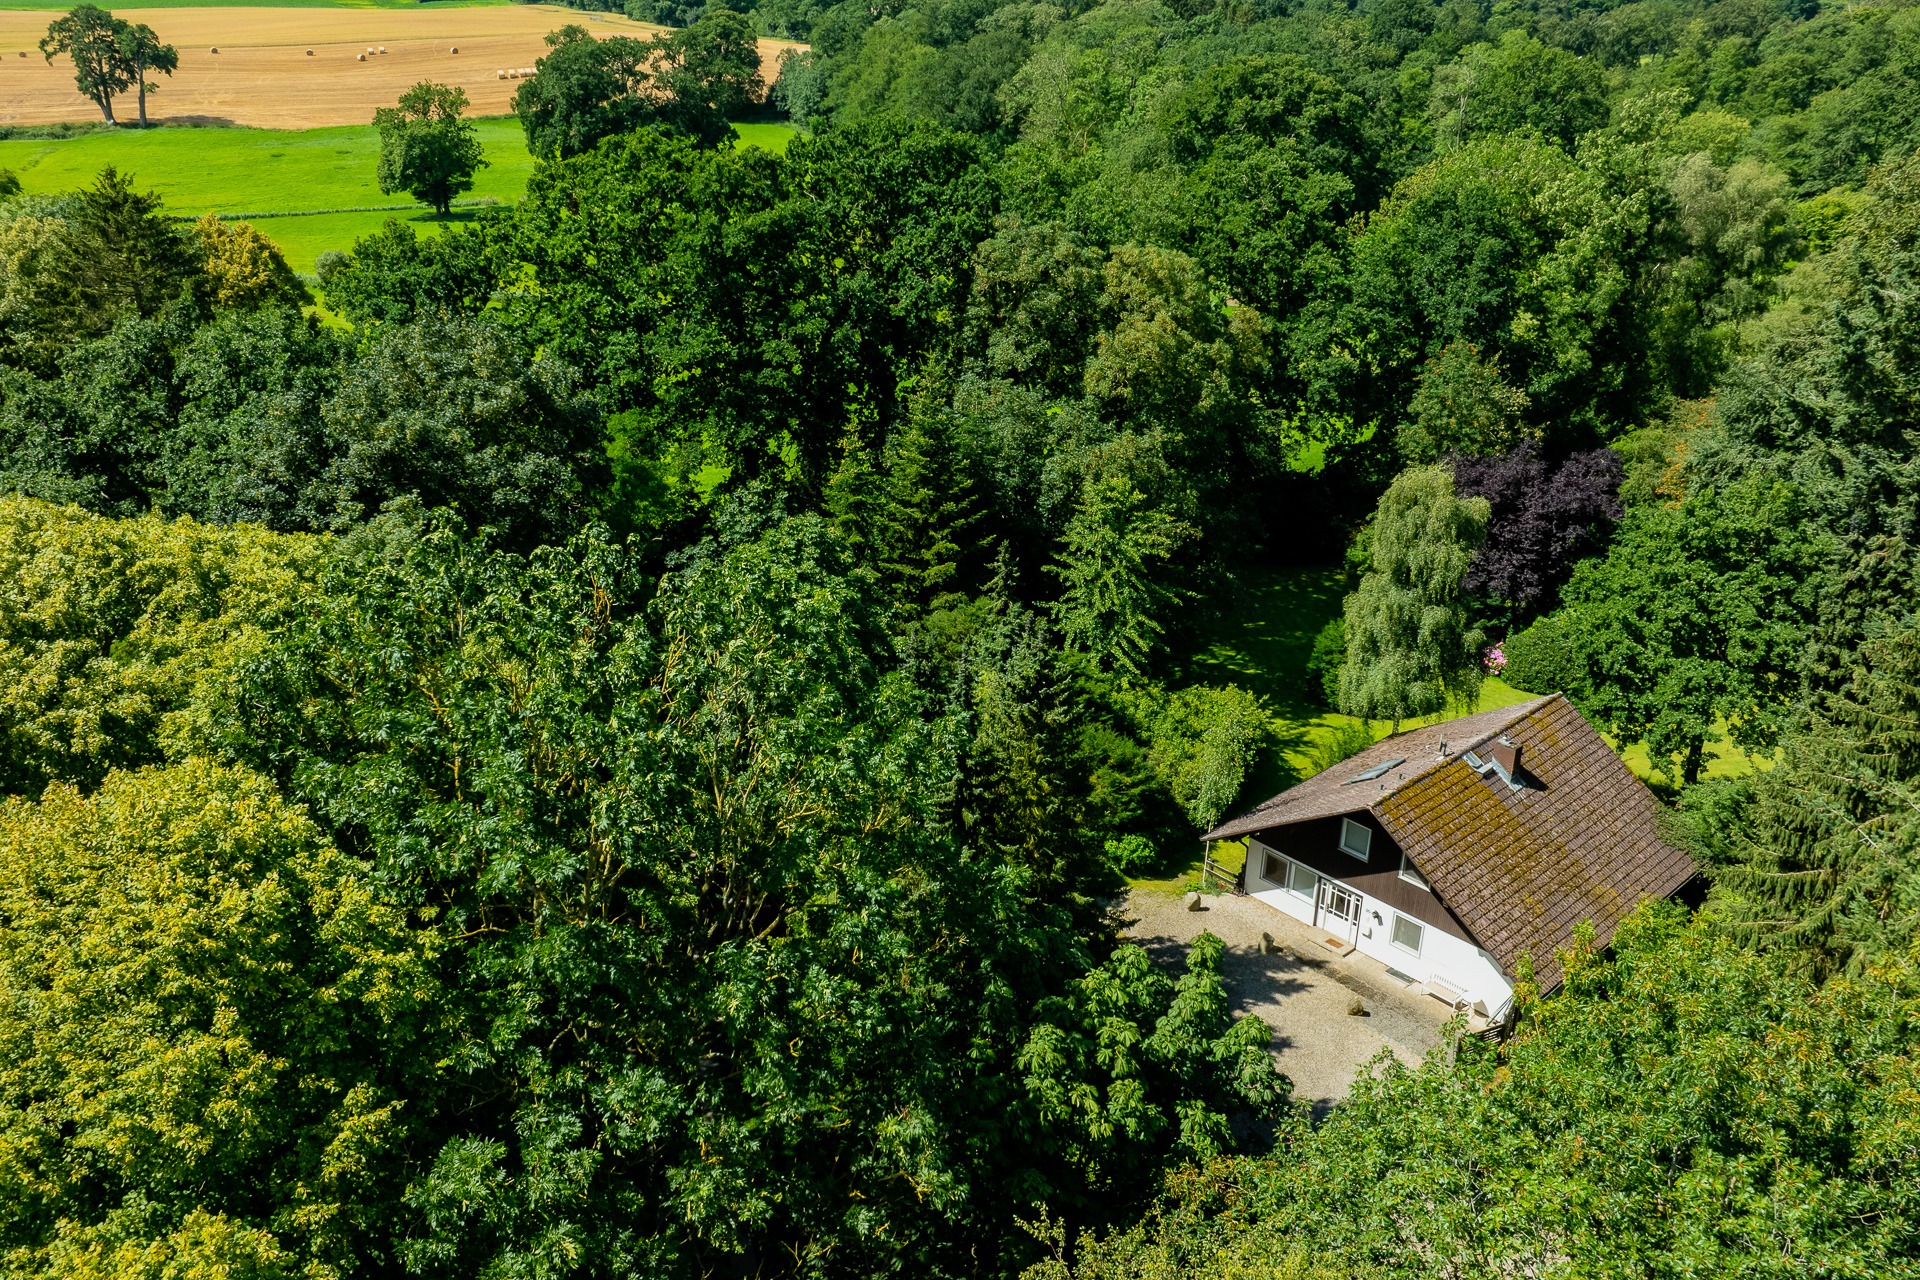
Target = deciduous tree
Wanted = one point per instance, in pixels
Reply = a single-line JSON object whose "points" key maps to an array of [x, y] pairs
{"points": [[1544, 519], [584, 90], [140, 52], [426, 149], [1410, 647], [1695, 621], [88, 35], [213, 1016]]}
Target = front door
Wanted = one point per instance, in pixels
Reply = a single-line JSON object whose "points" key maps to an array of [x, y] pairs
{"points": [[1337, 910]]}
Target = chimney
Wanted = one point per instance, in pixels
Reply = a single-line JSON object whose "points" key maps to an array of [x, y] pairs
{"points": [[1506, 754]]}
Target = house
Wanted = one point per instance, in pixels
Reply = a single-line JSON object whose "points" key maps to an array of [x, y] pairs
{"points": [[1450, 851]]}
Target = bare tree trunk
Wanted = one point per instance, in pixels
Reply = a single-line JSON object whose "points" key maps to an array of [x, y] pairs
{"points": [[106, 107], [143, 97]]}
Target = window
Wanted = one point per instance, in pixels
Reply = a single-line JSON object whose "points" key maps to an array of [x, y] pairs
{"points": [[1274, 869], [1406, 934], [1379, 770], [1304, 881], [1411, 874], [1355, 838]]}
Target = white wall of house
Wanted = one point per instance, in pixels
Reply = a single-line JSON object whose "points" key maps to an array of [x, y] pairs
{"points": [[1436, 957]]}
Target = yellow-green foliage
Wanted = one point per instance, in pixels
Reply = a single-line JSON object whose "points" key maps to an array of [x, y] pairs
{"points": [[244, 268], [196, 991], [108, 626]]}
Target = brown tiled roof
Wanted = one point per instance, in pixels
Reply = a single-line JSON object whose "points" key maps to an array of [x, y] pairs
{"points": [[1520, 868], [1338, 791]]}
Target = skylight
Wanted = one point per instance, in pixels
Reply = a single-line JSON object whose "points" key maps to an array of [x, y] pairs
{"points": [[1377, 770]]}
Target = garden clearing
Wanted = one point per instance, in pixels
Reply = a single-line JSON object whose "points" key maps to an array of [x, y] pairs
{"points": [[1262, 644], [264, 76], [308, 191]]}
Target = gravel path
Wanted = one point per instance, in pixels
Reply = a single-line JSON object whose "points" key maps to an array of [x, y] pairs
{"points": [[1303, 990]]}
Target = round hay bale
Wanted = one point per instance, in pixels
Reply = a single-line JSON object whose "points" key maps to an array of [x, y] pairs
{"points": [[214, 49], [455, 49], [309, 53], [500, 75], [359, 57], [383, 48]]}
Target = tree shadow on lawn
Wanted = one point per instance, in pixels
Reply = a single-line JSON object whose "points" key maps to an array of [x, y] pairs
{"points": [[1261, 641]]}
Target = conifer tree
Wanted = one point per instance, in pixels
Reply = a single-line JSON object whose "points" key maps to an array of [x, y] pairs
{"points": [[1109, 569], [1827, 855], [923, 512], [1409, 645]]}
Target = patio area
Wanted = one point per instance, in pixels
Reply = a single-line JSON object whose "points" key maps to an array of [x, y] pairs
{"points": [[1301, 986]]}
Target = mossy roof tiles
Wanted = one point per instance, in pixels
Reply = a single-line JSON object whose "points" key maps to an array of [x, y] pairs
{"points": [[1520, 867]]}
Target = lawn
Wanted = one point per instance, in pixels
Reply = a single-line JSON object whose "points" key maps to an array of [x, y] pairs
{"points": [[311, 190], [1262, 644]]}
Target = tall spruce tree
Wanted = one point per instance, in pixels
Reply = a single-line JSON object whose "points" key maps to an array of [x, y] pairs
{"points": [[923, 512], [1826, 856], [1409, 645], [1110, 567]]}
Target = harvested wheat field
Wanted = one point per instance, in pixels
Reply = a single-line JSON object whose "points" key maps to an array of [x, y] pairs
{"points": [[263, 74]]}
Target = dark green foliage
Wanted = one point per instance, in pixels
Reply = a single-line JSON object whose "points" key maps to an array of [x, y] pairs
{"points": [[397, 275], [582, 91], [1510, 253], [140, 51], [689, 82], [1682, 1108], [923, 515], [712, 70], [95, 433], [759, 857], [426, 149], [1033, 307], [111, 256], [1819, 861], [88, 35], [250, 439], [1698, 615], [1323, 665], [449, 412], [698, 848], [1546, 658], [748, 306], [262, 416]]}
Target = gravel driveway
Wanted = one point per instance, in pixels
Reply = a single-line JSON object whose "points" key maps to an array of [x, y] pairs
{"points": [[1303, 991]]}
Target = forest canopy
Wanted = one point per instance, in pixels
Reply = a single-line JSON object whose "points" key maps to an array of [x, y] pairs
{"points": [[616, 749]]}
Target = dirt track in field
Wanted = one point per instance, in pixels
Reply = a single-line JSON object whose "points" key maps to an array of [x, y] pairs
{"points": [[263, 75]]}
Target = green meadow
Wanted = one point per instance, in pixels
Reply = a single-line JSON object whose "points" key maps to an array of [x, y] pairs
{"points": [[310, 190]]}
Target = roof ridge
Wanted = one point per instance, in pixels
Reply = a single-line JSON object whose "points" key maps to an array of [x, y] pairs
{"points": [[1494, 720], [1523, 711]]}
